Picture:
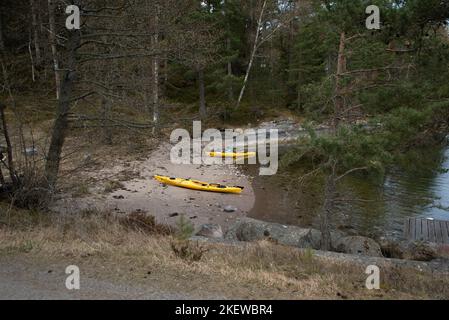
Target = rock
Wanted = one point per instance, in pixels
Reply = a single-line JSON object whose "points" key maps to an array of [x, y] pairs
{"points": [[87, 158], [30, 152], [174, 215], [249, 230], [413, 250], [213, 231], [358, 246], [391, 248], [420, 251], [230, 209]]}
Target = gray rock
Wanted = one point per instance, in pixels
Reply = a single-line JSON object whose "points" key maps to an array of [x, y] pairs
{"points": [[413, 250], [87, 158], [213, 231], [230, 209], [249, 230], [391, 248], [30, 152], [420, 251], [359, 246]]}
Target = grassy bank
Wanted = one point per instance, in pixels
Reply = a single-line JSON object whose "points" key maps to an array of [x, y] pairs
{"points": [[130, 247]]}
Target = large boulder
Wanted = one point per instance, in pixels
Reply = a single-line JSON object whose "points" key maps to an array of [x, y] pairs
{"points": [[420, 251], [391, 248], [359, 246], [212, 231], [249, 230], [413, 250]]}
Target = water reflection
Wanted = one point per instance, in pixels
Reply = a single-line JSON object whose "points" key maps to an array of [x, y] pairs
{"points": [[419, 189]]}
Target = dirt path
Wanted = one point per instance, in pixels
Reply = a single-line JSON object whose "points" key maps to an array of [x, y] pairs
{"points": [[143, 194], [23, 278]]}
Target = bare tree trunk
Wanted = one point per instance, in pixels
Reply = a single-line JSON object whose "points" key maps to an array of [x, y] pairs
{"points": [[12, 171], [2, 178], [230, 89], [36, 31], [328, 210], [203, 109], [53, 43], [253, 54], [165, 73], [339, 95], [155, 65], [60, 125], [33, 66], [228, 48], [106, 105], [2, 41]]}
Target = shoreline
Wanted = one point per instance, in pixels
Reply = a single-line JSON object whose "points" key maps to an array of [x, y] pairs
{"points": [[144, 194]]}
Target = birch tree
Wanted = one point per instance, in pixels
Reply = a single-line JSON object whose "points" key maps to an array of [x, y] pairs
{"points": [[270, 20], [53, 44], [34, 5], [2, 41]]}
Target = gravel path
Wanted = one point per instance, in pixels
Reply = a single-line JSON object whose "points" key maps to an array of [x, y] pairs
{"points": [[23, 279]]}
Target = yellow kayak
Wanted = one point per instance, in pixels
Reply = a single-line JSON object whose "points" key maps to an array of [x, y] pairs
{"points": [[198, 185], [234, 155]]}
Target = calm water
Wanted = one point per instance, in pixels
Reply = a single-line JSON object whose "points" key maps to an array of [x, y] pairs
{"points": [[421, 190]]}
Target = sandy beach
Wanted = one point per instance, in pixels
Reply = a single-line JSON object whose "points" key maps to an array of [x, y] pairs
{"points": [[166, 203]]}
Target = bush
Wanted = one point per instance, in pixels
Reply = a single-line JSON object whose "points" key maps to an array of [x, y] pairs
{"points": [[188, 251], [146, 224], [185, 229], [32, 191], [182, 247]]}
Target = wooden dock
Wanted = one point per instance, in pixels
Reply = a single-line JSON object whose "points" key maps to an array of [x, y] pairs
{"points": [[434, 231]]}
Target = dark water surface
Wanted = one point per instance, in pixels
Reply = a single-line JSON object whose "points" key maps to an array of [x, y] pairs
{"points": [[420, 190]]}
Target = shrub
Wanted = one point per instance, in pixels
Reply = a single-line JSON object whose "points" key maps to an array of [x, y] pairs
{"points": [[145, 223], [188, 251], [182, 247], [185, 228], [32, 191], [112, 186]]}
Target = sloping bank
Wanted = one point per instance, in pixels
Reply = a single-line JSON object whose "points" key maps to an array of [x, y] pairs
{"points": [[353, 250]]}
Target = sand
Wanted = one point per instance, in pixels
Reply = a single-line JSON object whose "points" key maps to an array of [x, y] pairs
{"points": [[167, 203]]}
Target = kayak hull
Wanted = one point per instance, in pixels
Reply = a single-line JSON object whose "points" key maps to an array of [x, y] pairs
{"points": [[231, 155], [198, 185]]}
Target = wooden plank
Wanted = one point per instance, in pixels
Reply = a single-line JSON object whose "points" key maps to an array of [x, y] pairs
{"points": [[447, 226], [432, 237], [419, 235], [407, 228], [435, 231], [425, 230], [438, 232], [444, 232], [412, 229]]}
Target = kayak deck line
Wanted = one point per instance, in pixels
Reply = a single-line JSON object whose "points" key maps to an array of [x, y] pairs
{"points": [[198, 185], [231, 154]]}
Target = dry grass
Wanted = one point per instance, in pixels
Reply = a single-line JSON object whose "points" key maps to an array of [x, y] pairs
{"points": [[112, 186], [262, 270]]}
